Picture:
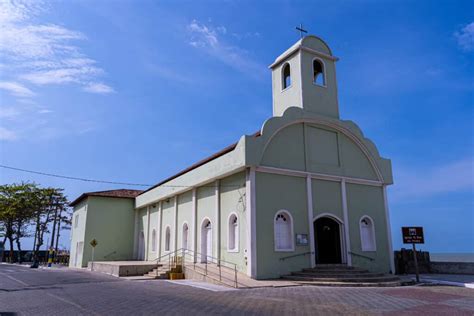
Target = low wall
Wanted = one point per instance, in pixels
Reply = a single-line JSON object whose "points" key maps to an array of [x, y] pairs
{"points": [[119, 269], [452, 267]]}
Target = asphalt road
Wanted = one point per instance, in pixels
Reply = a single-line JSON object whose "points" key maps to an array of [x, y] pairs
{"points": [[63, 291]]}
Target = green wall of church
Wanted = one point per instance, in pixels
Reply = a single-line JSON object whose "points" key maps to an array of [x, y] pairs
{"points": [[274, 193], [327, 198], [153, 253], [114, 238], [78, 234], [168, 220], [318, 149], [368, 200], [232, 200], [185, 215], [206, 208], [277, 192]]}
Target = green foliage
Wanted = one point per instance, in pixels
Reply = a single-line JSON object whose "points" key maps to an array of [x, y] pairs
{"points": [[26, 205]]}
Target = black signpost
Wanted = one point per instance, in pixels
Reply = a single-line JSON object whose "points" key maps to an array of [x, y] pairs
{"points": [[413, 235]]}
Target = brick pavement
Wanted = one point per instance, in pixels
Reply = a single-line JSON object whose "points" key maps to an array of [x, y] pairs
{"points": [[62, 291]]}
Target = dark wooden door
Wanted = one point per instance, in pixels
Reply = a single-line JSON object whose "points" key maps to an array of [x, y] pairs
{"points": [[327, 240]]}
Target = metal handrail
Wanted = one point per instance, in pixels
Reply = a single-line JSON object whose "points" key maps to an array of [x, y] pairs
{"points": [[173, 256], [362, 256], [297, 255]]}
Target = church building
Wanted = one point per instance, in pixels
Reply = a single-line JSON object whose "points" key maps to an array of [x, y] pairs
{"points": [[307, 189]]}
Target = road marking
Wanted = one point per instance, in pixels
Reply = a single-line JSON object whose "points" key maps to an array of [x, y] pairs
{"points": [[15, 279]]}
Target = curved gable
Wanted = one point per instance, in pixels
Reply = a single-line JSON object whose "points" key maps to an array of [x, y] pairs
{"points": [[305, 141]]}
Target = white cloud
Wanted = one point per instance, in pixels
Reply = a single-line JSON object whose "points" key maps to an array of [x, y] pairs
{"points": [[42, 53], [61, 75], [465, 37], [16, 89], [6, 134], [100, 88], [207, 38], [423, 182], [8, 112]]}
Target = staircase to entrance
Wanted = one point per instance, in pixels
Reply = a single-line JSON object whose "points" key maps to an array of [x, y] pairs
{"points": [[193, 265], [341, 275]]}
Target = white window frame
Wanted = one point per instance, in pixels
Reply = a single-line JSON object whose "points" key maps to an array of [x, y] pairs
{"points": [[236, 233], [153, 240], [76, 221], [167, 238], [292, 237], [283, 83], [187, 235], [374, 248], [325, 85]]}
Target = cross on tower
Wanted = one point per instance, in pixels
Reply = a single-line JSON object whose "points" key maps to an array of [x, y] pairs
{"points": [[301, 30]]}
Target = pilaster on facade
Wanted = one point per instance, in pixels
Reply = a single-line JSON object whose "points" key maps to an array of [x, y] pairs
{"points": [[251, 222], [135, 235], [160, 230], [309, 193], [346, 223], [147, 241], [194, 219], [175, 220], [218, 219], [389, 230]]}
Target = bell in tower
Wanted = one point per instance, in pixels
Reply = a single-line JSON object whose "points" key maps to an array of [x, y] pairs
{"points": [[305, 76]]}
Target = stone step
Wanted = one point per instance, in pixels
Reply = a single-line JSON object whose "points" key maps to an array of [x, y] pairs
{"points": [[350, 284], [341, 271], [333, 266], [348, 279], [338, 275]]}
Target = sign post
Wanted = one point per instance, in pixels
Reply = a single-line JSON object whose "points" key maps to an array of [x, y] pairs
{"points": [[414, 235], [93, 243]]}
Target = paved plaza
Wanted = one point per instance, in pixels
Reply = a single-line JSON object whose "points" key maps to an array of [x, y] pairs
{"points": [[71, 292]]}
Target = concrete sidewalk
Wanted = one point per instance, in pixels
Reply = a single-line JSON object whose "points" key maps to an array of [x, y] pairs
{"points": [[462, 280]]}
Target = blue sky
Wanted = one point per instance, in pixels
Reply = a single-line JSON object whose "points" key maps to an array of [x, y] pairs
{"points": [[134, 91]]}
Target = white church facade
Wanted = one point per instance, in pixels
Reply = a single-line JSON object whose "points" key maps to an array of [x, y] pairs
{"points": [[307, 189]]}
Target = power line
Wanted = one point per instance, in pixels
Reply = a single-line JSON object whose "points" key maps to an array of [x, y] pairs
{"points": [[74, 178], [104, 181]]}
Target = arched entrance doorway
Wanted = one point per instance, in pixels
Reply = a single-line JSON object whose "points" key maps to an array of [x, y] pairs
{"points": [[206, 241], [327, 233]]}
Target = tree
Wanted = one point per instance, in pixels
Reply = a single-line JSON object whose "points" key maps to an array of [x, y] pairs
{"points": [[25, 205], [53, 203], [17, 202]]}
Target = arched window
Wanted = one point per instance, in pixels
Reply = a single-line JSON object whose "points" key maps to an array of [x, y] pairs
{"points": [[367, 234], [184, 243], [153, 240], [167, 238], [286, 76], [318, 73], [283, 228], [206, 241], [233, 234]]}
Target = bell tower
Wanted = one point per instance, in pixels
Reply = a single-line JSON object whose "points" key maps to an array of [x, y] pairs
{"points": [[305, 76]]}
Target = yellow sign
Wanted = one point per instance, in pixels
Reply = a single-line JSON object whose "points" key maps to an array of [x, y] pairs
{"points": [[93, 243]]}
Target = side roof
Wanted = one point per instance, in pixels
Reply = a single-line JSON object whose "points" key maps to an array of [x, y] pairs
{"points": [[199, 163], [120, 193]]}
